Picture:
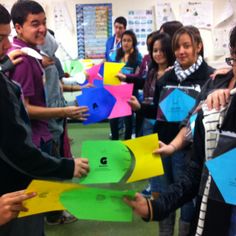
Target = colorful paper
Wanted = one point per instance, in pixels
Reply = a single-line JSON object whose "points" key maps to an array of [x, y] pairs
{"points": [[73, 67], [146, 164], [99, 102], [109, 161], [101, 70], [98, 83], [192, 121], [93, 73], [98, 204], [47, 198], [222, 169], [111, 70], [122, 93], [176, 106]]}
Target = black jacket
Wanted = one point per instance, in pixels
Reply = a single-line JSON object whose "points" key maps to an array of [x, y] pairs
{"points": [[20, 160], [168, 130]]}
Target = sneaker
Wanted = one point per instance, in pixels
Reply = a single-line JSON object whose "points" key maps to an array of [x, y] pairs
{"points": [[147, 192], [64, 218]]}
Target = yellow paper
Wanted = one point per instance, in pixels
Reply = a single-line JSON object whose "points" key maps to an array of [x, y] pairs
{"points": [[111, 69], [146, 164], [47, 199]]}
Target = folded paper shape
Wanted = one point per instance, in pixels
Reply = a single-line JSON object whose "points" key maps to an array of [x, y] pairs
{"points": [[100, 103], [111, 69], [175, 104], [146, 164], [122, 93], [109, 161], [98, 204], [222, 169], [47, 199]]}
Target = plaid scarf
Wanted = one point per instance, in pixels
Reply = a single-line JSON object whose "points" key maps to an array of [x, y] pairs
{"points": [[183, 74]]}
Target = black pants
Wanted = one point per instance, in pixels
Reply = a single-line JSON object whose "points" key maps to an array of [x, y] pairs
{"points": [[114, 124]]}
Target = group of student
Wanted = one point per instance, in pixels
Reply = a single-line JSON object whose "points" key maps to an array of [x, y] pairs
{"points": [[175, 59]]}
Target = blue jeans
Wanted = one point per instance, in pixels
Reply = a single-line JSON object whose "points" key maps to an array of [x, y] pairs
{"points": [[174, 167]]}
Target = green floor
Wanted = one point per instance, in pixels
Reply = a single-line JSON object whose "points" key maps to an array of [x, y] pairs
{"points": [[137, 227]]}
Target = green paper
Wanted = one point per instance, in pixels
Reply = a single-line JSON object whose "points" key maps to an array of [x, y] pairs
{"points": [[98, 204], [109, 161], [73, 67]]}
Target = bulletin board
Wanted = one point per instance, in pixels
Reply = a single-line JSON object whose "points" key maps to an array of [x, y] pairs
{"points": [[142, 24], [94, 26]]}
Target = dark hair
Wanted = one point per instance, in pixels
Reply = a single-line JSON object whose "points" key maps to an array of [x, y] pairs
{"points": [[232, 41], [165, 41], [121, 20], [21, 10], [133, 56], [150, 37], [170, 27], [193, 33], [5, 17], [51, 32]]}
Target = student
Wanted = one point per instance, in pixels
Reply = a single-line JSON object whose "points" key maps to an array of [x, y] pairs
{"points": [[29, 21], [114, 42], [20, 160], [161, 57], [129, 54], [190, 70], [30, 24], [215, 217]]}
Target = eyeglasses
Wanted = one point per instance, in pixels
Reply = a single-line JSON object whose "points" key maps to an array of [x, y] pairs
{"points": [[230, 61]]}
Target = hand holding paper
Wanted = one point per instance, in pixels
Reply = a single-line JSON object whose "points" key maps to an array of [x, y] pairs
{"points": [[81, 167]]}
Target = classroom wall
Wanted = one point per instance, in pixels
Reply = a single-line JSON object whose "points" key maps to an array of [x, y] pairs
{"points": [[121, 7]]}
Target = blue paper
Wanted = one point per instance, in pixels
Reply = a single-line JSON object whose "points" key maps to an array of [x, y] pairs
{"points": [[222, 169], [98, 83], [192, 121], [101, 70], [176, 105], [99, 102]]}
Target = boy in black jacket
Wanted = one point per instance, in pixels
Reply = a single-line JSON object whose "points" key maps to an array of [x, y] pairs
{"points": [[20, 160]]}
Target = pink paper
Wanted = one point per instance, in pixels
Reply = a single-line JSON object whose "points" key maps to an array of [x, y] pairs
{"points": [[122, 93], [93, 73]]}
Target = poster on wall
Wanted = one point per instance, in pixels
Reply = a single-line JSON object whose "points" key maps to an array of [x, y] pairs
{"points": [[226, 13], [221, 41], [195, 13], [94, 26], [164, 13], [61, 17], [142, 23]]}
